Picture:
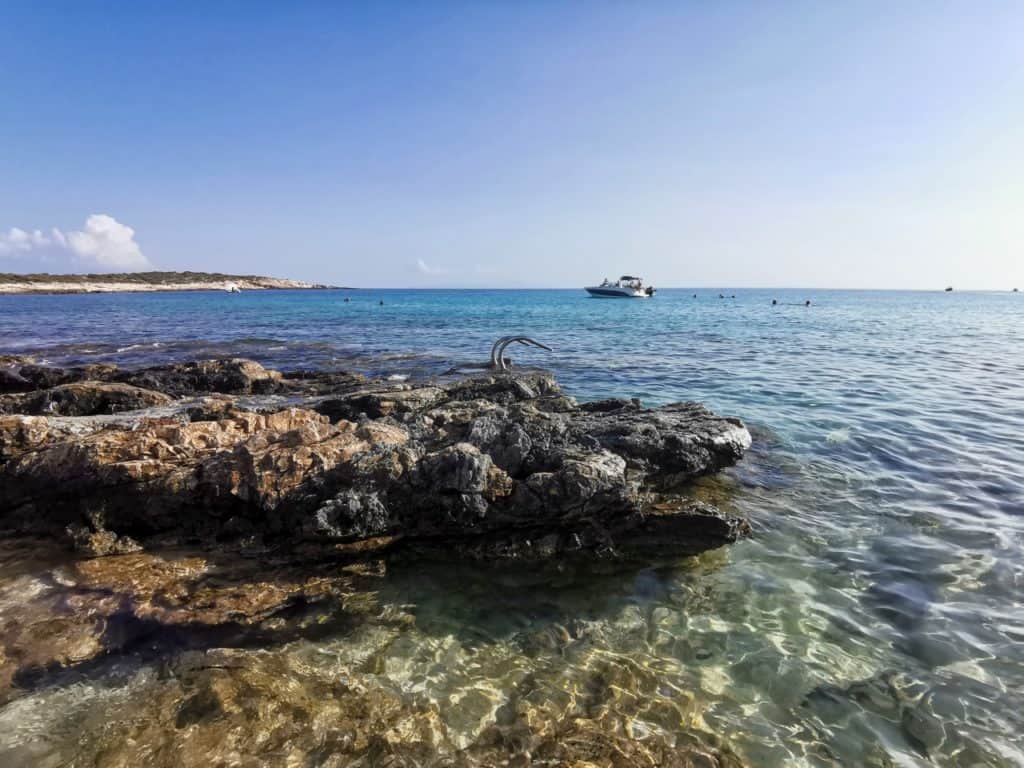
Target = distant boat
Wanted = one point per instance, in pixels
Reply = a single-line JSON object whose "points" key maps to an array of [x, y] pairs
{"points": [[949, 289], [626, 287]]}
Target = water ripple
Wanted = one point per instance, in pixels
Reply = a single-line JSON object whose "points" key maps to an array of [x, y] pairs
{"points": [[874, 619]]}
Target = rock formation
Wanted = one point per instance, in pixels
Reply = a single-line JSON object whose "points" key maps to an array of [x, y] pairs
{"points": [[488, 466], [224, 516]]}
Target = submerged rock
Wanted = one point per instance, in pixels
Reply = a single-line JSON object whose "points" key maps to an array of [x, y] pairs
{"points": [[207, 656], [230, 707], [101, 542], [486, 467], [76, 613]]}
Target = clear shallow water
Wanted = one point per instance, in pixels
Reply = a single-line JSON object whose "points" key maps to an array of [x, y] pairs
{"points": [[874, 618]]}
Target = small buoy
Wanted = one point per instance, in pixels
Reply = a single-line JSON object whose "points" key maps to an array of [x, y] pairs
{"points": [[774, 302], [347, 299], [382, 302], [695, 295]]}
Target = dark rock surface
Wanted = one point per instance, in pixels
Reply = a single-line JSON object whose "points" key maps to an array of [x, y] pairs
{"points": [[225, 376], [86, 398], [20, 375], [496, 465]]}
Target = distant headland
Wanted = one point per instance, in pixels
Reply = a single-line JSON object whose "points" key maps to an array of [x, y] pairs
{"points": [[145, 281]]}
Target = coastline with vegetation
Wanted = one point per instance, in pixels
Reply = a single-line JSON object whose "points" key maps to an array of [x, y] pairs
{"points": [[146, 281]]}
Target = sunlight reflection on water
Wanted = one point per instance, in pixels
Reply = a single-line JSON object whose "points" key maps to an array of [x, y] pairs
{"points": [[873, 619]]}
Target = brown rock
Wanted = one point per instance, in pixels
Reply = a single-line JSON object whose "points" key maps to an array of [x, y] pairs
{"points": [[22, 433], [495, 465], [144, 476], [100, 543], [76, 613]]}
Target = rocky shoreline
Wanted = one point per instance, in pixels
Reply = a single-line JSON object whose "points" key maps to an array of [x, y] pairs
{"points": [[145, 282], [223, 516], [488, 466]]}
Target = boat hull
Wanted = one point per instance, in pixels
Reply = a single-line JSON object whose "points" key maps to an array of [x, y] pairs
{"points": [[616, 293]]}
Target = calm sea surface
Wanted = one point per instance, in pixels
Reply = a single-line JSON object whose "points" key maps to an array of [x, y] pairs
{"points": [[875, 617]]}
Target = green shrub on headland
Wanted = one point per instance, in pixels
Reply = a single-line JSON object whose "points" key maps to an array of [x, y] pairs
{"points": [[149, 278]]}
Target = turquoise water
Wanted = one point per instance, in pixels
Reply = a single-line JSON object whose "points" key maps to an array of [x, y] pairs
{"points": [[875, 617]]}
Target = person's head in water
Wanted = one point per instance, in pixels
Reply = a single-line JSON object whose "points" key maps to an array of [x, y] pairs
{"points": [[382, 302], [807, 303], [774, 302]]}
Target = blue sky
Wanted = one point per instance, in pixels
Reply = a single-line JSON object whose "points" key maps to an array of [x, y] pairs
{"points": [[518, 144]]}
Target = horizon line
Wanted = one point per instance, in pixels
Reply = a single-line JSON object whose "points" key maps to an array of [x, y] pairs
{"points": [[666, 288]]}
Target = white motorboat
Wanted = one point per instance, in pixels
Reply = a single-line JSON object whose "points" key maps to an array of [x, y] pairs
{"points": [[626, 287]]}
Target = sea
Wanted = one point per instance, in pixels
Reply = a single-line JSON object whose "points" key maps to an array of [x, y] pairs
{"points": [[874, 617]]}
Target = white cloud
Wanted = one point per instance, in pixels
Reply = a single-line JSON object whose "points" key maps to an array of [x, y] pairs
{"points": [[109, 243], [103, 242], [19, 241], [425, 269]]}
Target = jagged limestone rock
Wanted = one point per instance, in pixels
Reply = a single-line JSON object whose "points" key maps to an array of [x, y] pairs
{"points": [[492, 465]]}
